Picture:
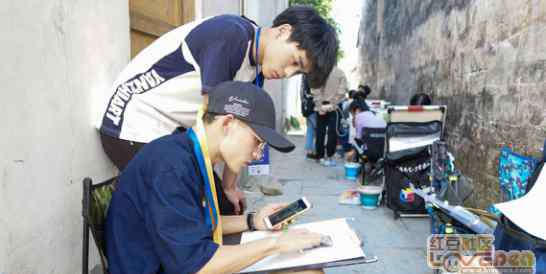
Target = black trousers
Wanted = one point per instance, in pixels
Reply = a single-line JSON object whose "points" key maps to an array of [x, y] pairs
{"points": [[121, 152], [326, 124]]}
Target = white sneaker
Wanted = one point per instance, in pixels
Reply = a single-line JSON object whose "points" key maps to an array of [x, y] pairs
{"points": [[328, 162]]}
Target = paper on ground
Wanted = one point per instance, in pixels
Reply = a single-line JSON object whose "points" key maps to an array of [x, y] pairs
{"points": [[349, 197], [525, 212], [346, 245]]}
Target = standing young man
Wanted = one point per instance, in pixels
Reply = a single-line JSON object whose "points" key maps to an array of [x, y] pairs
{"points": [[164, 85], [164, 216]]}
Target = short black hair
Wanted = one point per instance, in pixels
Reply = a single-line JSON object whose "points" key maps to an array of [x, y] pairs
{"points": [[358, 104], [359, 95], [209, 117], [314, 35], [420, 99], [353, 106], [366, 89], [351, 93]]}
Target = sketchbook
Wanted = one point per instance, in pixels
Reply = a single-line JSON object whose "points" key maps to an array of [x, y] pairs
{"points": [[346, 248]]}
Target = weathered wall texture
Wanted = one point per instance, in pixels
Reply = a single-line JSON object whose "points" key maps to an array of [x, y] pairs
{"points": [[59, 58], [484, 59]]}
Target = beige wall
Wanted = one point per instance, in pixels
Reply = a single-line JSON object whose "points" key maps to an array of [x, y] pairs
{"points": [[59, 59]]}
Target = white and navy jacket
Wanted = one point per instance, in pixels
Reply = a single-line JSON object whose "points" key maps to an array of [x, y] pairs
{"points": [[161, 88]]}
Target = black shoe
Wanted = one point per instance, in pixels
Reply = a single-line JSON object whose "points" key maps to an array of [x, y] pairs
{"points": [[312, 156]]}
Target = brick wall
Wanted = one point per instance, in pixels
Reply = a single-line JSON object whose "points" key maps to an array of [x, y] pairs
{"points": [[484, 59]]}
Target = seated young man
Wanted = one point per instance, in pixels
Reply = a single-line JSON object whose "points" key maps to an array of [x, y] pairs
{"points": [[164, 215]]}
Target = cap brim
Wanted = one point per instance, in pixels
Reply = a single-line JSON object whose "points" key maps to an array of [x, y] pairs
{"points": [[273, 138]]}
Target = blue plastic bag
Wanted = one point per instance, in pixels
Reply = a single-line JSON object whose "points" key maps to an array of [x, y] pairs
{"points": [[514, 173]]}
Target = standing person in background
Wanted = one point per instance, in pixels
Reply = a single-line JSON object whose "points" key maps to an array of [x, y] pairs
{"points": [[344, 124], [349, 121], [308, 111], [326, 100], [163, 87]]}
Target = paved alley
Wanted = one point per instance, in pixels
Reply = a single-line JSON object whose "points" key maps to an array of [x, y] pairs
{"points": [[398, 244]]}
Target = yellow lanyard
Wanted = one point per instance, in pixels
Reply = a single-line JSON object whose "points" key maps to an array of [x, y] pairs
{"points": [[199, 130]]}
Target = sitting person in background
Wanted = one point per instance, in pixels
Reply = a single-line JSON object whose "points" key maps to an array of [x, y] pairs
{"points": [[363, 118], [360, 94], [420, 99], [164, 216]]}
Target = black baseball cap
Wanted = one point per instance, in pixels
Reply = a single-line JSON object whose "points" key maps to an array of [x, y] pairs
{"points": [[251, 105]]}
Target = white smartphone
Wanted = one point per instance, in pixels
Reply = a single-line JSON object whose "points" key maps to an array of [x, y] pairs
{"points": [[288, 213]]}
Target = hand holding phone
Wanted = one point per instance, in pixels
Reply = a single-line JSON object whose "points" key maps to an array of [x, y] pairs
{"points": [[287, 213]]}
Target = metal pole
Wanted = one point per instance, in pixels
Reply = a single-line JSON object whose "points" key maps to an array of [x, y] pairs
{"points": [[85, 213]]}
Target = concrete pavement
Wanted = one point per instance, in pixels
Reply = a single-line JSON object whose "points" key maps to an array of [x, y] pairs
{"points": [[399, 244]]}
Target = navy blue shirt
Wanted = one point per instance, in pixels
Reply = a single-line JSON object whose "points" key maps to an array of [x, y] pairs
{"points": [[156, 216]]}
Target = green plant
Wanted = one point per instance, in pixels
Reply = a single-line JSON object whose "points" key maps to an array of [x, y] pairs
{"points": [[291, 123], [294, 123], [100, 200]]}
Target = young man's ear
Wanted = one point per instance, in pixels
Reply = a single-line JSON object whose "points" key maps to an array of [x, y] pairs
{"points": [[227, 121], [283, 31]]}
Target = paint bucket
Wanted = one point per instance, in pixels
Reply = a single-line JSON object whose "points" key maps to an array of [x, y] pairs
{"points": [[370, 196], [352, 171]]}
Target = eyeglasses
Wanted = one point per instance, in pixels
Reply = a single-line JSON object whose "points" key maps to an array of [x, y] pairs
{"points": [[259, 150], [258, 153]]}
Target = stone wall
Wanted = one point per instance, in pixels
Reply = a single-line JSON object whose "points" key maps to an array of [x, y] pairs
{"points": [[484, 59]]}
